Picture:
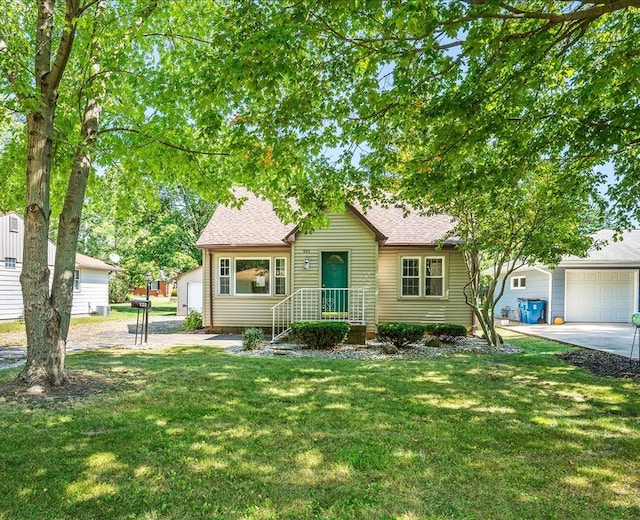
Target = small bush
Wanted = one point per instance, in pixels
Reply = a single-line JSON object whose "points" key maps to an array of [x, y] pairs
{"points": [[174, 293], [193, 321], [400, 334], [446, 329], [118, 289], [252, 338], [320, 334]]}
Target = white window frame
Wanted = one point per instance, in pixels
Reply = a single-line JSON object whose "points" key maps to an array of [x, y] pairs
{"points": [[277, 277], [518, 283], [13, 224], [76, 280], [256, 258], [220, 276], [441, 277], [403, 277], [10, 262]]}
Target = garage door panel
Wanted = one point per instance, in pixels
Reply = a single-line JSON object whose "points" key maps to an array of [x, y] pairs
{"points": [[599, 296]]}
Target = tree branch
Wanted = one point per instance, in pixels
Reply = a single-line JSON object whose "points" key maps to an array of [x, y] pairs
{"points": [[163, 142], [65, 46]]}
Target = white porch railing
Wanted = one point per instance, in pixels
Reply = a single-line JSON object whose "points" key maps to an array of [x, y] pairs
{"points": [[317, 304]]}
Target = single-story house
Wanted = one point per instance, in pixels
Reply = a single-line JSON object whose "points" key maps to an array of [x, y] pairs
{"points": [[365, 268], [190, 291], [90, 281], [603, 287]]}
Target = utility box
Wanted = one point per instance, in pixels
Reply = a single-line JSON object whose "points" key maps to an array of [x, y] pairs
{"points": [[103, 310], [532, 310]]}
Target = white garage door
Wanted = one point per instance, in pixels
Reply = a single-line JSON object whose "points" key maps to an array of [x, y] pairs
{"points": [[194, 296], [599, 296]]}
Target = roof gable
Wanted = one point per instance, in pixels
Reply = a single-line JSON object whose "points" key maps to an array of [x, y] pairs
{"points": [[256, 224]]}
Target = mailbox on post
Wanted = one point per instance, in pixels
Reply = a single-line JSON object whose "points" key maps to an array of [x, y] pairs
{"points": [[144, 306]]}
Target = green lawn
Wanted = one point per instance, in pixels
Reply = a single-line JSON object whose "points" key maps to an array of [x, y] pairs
{"points": [[196, 433]]}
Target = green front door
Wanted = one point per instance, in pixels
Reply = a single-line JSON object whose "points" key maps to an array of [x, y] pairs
{"points": [[335, 276]]}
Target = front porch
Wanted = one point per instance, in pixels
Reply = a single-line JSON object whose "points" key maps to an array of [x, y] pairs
{"points": [[318, 304]]}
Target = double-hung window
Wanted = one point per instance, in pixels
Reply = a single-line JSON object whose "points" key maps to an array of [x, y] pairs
{"points": [[433, 276], [9, 263], [410, 277], [76, 280], [224, 276], [422, 276], [280, 276]]}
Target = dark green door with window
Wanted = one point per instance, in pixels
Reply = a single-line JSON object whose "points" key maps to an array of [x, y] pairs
{"points": [[335, 276]]}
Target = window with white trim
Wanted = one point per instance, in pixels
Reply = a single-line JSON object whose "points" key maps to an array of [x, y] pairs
{"points": [[252, 276], [9, 263], [76, 280], [280, 276], [13, 224], [410, 277], [518, 282], [434, 276], [224, 276]]}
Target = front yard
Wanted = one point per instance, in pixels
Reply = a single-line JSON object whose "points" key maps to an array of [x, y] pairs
{"points": [[197, 433]]}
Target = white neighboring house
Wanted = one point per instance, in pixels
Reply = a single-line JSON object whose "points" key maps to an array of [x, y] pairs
{"points": [[90, 282], [190, 291], [603, 287]]}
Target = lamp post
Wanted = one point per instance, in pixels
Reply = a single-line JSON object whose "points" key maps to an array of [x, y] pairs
{"points": [[147, 277]]}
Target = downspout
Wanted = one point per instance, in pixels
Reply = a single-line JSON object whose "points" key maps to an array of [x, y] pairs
{"points": [[550, 274], [210, 287]]}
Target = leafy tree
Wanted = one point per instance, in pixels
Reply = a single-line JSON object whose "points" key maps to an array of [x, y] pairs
{"points": [[109, 83], [485, 110]]}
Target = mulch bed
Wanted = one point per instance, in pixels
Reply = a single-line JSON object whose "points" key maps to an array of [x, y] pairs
{"points": [[603, 364]]}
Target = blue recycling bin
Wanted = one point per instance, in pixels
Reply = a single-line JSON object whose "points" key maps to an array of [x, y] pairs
{"points": [[532, 310]]}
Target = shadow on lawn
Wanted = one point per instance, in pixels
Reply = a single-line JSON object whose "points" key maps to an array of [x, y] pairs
{"points": [[195, 433]]}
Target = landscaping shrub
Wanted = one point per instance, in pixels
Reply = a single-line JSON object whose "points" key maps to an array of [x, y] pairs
{"points": [[193, 321], [252, 338], [400, 334], [118, 289], [446, 329], [320, 334]]}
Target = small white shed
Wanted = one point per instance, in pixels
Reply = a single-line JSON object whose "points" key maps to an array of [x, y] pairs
{"points": [[190, 292]]}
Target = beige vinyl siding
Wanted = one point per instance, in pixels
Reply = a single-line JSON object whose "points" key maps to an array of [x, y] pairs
{"points": [[346, 233], [240, 311], [450, 308]]}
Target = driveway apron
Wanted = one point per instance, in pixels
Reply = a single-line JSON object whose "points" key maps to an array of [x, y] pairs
{"points": [[616, 338]]}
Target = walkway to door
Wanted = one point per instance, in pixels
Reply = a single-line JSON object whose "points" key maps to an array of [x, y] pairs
{"points": [[608, 337]]}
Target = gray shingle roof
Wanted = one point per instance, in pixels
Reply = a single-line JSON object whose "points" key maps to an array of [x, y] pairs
{"points": [[255, 224], [626, 251]]}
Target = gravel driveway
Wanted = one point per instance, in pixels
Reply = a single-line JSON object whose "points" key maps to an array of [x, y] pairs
{"points": [[164, 331]]}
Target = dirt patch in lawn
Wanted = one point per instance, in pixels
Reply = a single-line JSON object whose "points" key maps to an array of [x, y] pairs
{"points": [[81, 386], [603, 364]]}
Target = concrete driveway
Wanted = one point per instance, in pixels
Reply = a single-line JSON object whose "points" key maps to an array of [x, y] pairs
{"points": [[609, 337]]}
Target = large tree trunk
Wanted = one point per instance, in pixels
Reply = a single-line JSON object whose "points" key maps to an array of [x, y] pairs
{"points": [[47, 315], [45, 351]]}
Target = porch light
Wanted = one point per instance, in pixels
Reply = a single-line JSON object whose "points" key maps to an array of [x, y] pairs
{"points": [[307, 263]]}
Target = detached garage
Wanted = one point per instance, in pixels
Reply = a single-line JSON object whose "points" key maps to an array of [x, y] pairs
{"points": [[603, 287], [190, 292]]}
